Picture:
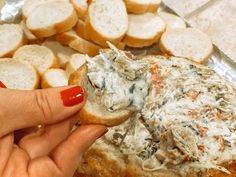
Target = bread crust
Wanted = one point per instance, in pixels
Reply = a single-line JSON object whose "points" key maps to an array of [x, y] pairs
{"points": [[81, 11], [78, 43], [138, 8], [60, 27], [133, 41]]}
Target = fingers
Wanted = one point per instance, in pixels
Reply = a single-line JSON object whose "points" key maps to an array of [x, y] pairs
{"points": [[41, 143], [68, 154], [22, 109], [6, 145]]}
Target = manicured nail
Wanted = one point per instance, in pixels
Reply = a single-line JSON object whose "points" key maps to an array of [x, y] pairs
{"points": [[2, 85], [103, 133], [72, 96]]}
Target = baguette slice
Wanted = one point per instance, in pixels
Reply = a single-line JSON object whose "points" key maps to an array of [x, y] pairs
{"points": [[144, 30], [76, 61], [81, 7], [39, 56], [31, 37], [54, 78], [188, 43], [92, 112], [50, 18], [30, 5], [142, 6], [17, 75], [115, 84], [71, 39], [172, 21], [11, 37], [107, 21], [63, 53], [82, 32]]}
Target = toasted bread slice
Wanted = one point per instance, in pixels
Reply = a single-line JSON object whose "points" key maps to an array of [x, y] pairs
{"points": [[144, 30], [17, 75], [188, 43], [107, 21], [11, 37], [71, 39], [54, 78], [30, 37], [142, 6], [63, 53], [115, 85], [50, 18], [81, 7], [172, 21], [39, 56], [76, 61]]}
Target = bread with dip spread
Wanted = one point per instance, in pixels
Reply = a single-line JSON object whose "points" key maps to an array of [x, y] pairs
{"points": [[182, 117]]}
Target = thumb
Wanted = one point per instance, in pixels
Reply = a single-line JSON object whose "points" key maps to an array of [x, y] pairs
{"points": [[23, 109]]}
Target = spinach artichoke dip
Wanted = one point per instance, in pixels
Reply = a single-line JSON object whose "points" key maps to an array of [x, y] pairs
{"points": [[185, 113], [119, 81]]}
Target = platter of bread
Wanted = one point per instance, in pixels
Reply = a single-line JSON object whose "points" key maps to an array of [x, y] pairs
{"points": [[160, 83]]}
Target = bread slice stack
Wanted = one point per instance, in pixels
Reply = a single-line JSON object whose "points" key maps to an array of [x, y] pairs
{"points": [[39, 56], [17, 75], [46, 18], [11, 37]]}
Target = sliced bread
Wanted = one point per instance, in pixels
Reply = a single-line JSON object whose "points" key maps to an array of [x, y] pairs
{"points": [[172, 21], [39, 56], [54, 78], [142, 6], [188, 43], [17, 75], [50, 18], [81, 7], [71, 39], [11, 37], [82, 32], [144, 30], [63, 53], [115, 84], [76, 61], [31, 37], [30, 5], [107, 21]]}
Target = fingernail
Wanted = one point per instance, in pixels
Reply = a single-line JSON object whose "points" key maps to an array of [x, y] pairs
{"points": [[72, 96], [103, 133], [2, 85]]}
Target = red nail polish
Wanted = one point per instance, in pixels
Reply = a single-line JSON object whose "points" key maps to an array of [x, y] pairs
{"points": [[72, 96], [2, 85]]}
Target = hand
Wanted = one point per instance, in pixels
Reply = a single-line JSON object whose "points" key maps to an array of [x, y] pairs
{"points": [[52, 151]]}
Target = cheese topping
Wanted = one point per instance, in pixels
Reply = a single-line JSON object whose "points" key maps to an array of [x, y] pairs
{"points": [[119, 81], [188, 120]]}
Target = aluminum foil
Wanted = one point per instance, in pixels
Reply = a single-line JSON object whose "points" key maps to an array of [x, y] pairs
{"points": [[223, 65]]}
